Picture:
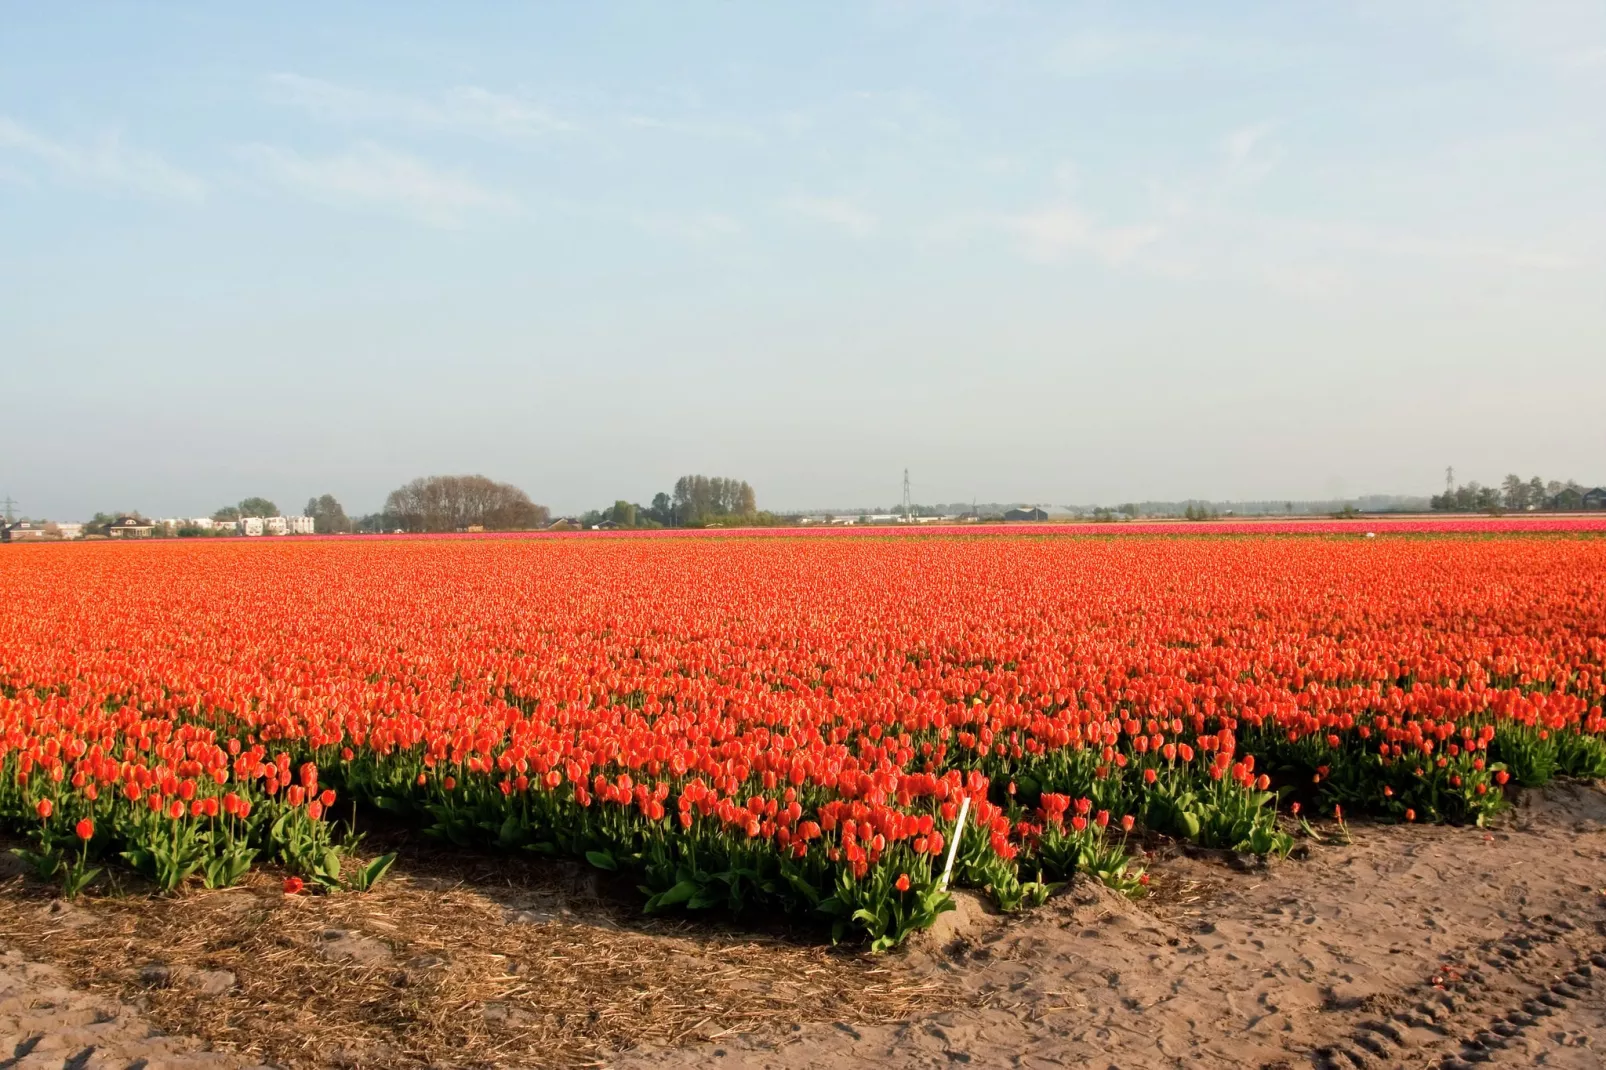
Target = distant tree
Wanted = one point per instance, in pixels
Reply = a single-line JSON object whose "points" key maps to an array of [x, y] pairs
{"points": [[258, 507], [328, 518], [1536, 492], [1514, 492], [698, 500], [623, 514], [1473, 497], [452, 503], [227, 514], [684, 506], [662, 509]]}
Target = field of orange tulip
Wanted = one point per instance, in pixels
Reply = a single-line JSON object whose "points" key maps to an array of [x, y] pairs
{"points": [[782, 724]]}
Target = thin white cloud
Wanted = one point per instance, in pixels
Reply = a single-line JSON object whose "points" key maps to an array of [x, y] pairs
{"points": [[1091, 52], [1115, 51], [1248, 157], [373, 176], [698, 128], [1566, 37], [837, 212], [1406, 245], [1309, 281], [107, 163], [1582, 58], [1052, 232], [463, 109], [695, 227]]}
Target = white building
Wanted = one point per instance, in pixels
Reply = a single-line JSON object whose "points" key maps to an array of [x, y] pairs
{"points": [[276, 525], [202, 523], [70, 531]]}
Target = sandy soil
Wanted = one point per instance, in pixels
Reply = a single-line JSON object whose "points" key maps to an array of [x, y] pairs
{"points": [[45, 1023], [1411, 947]]}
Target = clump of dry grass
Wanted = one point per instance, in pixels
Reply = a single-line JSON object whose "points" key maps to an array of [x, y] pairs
{"points": [[433, 969]]}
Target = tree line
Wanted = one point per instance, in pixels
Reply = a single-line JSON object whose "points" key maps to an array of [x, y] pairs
{"points": [[464, 502], [247, 507], [328, 518], [697, 501], [1514, 494], [459, 503]]}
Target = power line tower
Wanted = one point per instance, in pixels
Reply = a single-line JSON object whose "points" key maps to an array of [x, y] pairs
{"points": [[908, 514], [1449, 480], [9, 504]]}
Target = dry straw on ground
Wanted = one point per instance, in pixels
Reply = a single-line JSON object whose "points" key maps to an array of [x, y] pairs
{"points": [[504, 967]]}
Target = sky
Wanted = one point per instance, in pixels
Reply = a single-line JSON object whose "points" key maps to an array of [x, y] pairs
{"points": [[1061, 252]]}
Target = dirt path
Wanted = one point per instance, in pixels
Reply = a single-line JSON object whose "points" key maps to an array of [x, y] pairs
{"points": [[1414, 947], [46, 1024]]}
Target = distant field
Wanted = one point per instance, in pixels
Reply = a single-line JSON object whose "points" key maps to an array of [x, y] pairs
{"points": [[1401, 524]]}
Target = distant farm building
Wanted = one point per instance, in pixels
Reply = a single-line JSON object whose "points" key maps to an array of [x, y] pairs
{"points": [[1032, 513], [129, 527], [1593, 499], [23, 530]]}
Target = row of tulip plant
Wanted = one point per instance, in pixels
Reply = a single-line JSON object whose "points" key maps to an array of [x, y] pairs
{"points": [[776, 746]]}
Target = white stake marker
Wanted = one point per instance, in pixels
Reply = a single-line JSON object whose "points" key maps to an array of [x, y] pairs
{"points": [[953, 848]]}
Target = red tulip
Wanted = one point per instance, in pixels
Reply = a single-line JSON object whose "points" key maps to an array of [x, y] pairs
{"points": [[829, 698]]}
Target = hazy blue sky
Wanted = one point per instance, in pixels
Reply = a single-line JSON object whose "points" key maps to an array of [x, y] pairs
{"points": [[1058, 252]]}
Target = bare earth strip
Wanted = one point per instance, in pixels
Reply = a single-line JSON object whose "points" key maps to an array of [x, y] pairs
{"points": [[44, 1023], [1412, 947]]}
